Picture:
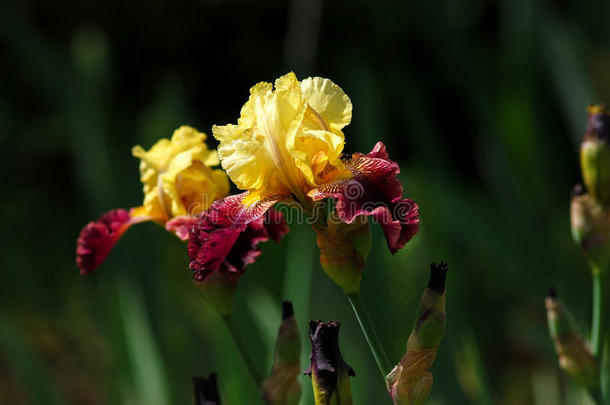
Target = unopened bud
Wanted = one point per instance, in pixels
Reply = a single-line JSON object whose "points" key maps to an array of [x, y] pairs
{"points": [[595, 154], [410, 382], [575, 356], [591, 228], [282, 386], [343, 251], [206, 390], [329, 372]]}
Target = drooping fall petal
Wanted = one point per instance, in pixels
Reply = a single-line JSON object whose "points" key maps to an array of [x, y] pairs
{"points": [[97, 239], [374, 190], [181, 226], [226, 236]]}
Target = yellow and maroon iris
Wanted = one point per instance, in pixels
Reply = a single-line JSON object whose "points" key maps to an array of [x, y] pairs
{"points": [[288, 145], [179, 180]]}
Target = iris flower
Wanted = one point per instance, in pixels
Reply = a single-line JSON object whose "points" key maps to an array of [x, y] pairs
{"points": [[181, 179], [287, 146]]}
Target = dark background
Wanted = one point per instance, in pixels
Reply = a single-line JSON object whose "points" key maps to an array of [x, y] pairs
{"points": [[482, 103]]}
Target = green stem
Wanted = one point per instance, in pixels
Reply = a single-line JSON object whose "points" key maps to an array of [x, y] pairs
{"points": [[598, 329], [370, 334], [605, 371], [240, 342]]}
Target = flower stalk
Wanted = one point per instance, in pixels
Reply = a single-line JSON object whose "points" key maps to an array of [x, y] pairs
{"points": [[599, 324]]}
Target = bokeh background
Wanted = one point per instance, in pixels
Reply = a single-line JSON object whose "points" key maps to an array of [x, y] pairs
{"points": [[482, 103]]}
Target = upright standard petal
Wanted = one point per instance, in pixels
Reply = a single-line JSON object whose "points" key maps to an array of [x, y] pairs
{"points": [[226, 237], [374, 190], [288, 139], [97, 239], [178, 176]]}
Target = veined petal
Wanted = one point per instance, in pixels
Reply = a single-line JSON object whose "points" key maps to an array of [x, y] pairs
{"points": [[374, 190], [286, 137], [181, 226], [254, 153], [226, 236], [329, 101], [97, 239]]}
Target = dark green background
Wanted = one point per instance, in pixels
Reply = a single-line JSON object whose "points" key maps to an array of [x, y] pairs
{"points": [[482, 103]]}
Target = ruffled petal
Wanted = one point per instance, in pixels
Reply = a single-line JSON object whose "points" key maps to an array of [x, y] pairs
{"points": [[288, 137], [374, 190], [226, 237], [181, 226], [97, 239], [329, 101], [255, 152], [178, 176]]}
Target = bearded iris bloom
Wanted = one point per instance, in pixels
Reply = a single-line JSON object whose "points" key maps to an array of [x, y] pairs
{"points": [[287, 146], [181, 179]]}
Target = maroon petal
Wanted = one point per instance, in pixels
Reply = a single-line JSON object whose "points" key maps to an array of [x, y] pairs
{"points": [[374, 190], [97, 239], [226, 236], [275, 225], [181, 226]]}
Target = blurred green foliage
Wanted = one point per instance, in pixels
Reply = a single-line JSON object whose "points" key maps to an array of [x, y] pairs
{"points": [[483, 103]]}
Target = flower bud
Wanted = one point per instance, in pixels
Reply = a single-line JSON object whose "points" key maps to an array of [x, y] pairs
{"points": [[329, 372], [575, 356], [282, 386], [595, 154], [343, 251], [206, 391], [591, 228], [410, 382]]}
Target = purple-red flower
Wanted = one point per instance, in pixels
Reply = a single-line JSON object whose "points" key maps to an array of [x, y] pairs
{"points": [[226, 237], [374, 190]]}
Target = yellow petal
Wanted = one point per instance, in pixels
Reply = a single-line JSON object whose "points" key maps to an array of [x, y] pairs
{"points": [[286, 137], [329, 101], [255, 153], [177, 175]]}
